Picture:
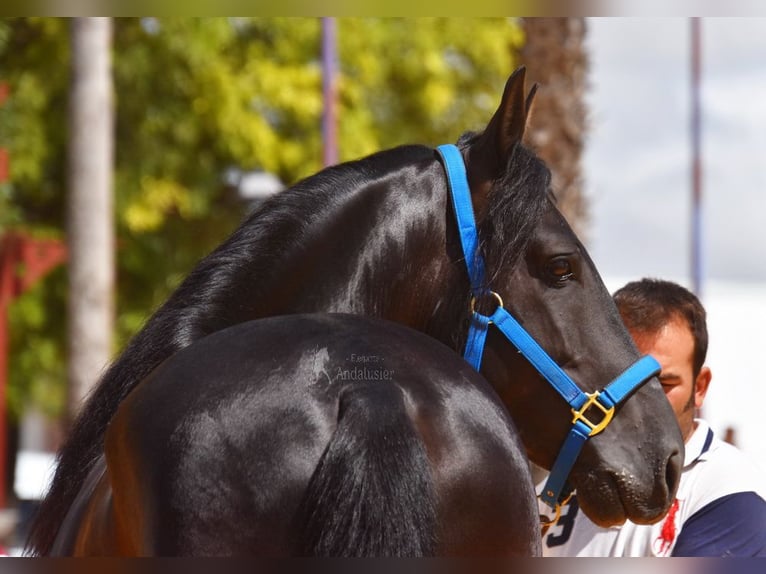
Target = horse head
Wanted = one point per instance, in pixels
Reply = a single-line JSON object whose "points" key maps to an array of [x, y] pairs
{"points": [[544, 276]]}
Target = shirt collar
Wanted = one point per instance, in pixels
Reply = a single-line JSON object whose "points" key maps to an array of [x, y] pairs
{"points": [[699, 443]]}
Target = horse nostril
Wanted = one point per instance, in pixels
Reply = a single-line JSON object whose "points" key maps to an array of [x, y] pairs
{"points": [[673, 472]]}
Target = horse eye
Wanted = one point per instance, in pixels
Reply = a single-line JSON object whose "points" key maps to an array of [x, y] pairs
{"points": [[560, 269]]}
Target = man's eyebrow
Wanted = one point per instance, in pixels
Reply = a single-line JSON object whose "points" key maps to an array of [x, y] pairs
{"points": [[670, 375]]}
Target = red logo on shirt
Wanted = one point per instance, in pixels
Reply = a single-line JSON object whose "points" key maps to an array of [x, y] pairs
{"points": [[667, 535]]}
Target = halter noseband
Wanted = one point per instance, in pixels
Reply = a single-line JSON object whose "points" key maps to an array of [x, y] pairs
{"points": [[580, 402]]}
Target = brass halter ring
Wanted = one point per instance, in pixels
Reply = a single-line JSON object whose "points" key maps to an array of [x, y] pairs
{"points": [[498, 300]]}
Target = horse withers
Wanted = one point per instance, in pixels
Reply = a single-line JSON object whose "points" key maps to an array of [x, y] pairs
{"points": [[378, 237]]}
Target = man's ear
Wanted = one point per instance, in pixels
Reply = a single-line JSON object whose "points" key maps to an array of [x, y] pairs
{"points": [[701, 385]]}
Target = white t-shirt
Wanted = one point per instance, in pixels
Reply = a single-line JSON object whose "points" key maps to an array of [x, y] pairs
{"points": [[719, 511]]}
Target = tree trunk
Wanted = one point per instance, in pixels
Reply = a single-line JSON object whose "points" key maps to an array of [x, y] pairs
{"points": [[555, 58], [90, 217]]}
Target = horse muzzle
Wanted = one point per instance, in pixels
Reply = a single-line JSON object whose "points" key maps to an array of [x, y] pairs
{"points": [[638, 491]]}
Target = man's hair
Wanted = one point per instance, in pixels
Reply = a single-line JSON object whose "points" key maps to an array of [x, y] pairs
{"points": [[649, 304]]}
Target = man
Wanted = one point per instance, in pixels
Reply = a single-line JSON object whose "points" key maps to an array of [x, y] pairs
{"points": [[719, 508]]}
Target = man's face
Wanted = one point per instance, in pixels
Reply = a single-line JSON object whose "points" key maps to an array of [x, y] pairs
{"points": [[673, 347]]}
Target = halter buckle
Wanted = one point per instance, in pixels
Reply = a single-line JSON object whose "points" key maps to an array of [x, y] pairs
{"points": [[579, 415]]}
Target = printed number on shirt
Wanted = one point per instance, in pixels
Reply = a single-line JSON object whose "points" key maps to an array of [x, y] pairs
{"points": [[560, 532]]}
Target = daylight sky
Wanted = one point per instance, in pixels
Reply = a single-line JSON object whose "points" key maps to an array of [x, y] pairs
{"points": [[638, 158]]}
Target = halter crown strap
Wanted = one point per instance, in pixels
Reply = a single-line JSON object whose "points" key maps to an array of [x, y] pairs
{"points": [[604, 401], [461, 202], [469, 241]]}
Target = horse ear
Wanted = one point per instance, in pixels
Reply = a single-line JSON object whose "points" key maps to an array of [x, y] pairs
{"points": [[506, 128], [530, 99]]}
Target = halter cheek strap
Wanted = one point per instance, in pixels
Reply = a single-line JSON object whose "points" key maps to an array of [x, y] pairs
{"points": [[582, 404]]}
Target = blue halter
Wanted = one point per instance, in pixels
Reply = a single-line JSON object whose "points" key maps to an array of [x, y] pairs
{"points": [[580, 402]]}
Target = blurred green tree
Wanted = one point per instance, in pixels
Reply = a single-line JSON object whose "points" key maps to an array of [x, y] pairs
{"points": [[195, 98]]}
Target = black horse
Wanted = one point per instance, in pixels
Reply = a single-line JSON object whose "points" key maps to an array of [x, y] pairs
{"points": [[312, 435], [377, 237]]}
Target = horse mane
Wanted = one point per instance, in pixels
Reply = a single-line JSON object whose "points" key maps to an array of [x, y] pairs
{"points": [[515, 205]]}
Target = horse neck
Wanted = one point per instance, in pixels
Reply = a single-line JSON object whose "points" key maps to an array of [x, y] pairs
{"points": [[366, 240], [378, 252]]}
